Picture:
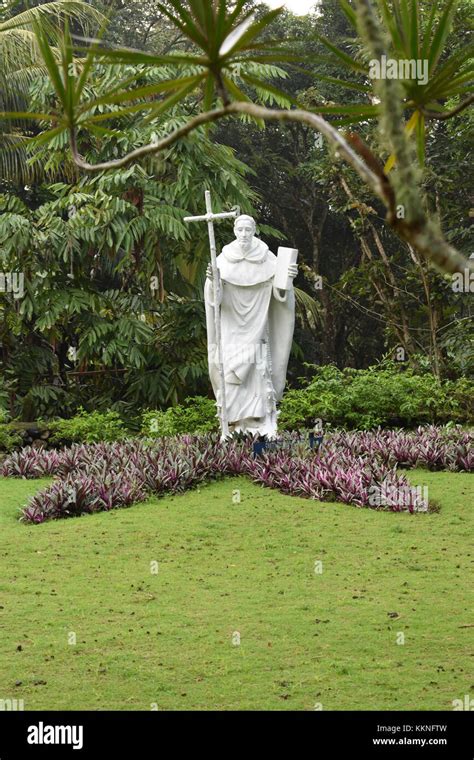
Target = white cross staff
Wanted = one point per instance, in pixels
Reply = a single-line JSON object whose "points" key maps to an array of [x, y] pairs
{"points": [[209, 217]]}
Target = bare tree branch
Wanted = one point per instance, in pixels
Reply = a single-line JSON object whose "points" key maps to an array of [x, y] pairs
{"points": [[416, 229], [258, 112], [448, 114]]}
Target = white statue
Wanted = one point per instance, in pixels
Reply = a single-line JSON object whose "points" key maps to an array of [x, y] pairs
{"points": [[256, 325]]}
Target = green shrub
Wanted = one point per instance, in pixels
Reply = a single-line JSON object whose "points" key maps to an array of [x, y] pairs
{"points": [[9, 439], [364, 399], [196, 415], [88, 427]]}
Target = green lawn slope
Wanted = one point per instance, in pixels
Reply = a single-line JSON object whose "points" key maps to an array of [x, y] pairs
{"points": [[166, 636]]}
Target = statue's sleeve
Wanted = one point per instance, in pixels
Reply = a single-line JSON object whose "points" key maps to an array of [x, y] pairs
{"points": [[211, 337], [281, 324]]}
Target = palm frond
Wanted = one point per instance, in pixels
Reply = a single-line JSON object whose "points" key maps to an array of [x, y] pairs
{"points": [[307, 308], [86, 15]]}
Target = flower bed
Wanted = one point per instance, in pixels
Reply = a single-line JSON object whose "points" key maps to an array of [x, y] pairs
{"points": [[359, 468]]}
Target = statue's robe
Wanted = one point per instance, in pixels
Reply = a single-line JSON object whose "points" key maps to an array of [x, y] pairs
{"points": [[257, 323]]}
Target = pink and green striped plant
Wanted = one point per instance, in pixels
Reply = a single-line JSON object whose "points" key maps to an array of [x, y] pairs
{"points": [[350, 467]]}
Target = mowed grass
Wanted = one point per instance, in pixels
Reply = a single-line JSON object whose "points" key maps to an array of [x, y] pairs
{"points": [[169, 640]]}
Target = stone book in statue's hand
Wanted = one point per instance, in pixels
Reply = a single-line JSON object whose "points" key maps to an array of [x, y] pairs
{"points": [[286, 268]]}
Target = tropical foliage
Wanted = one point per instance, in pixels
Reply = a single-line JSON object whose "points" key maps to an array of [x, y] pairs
{"points": [[364, 399], [112, 273], [228, 46], [112, 315], [436, 86], [21, 63], [196, 415], [88, 427], [385, 396]]}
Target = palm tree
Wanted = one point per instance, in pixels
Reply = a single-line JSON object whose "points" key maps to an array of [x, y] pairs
{"points": [[21, 63]]}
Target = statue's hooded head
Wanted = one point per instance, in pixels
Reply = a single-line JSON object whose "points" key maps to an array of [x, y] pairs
{"points": [[244, 230]]}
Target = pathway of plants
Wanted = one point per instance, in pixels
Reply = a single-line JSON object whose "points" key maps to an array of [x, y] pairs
{"points": [[360, 468]]}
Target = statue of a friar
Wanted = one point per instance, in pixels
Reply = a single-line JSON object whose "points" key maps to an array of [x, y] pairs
{"points": [[257, 323]]}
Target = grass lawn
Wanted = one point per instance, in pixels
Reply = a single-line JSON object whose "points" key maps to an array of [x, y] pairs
{"points": [[165, 639]]}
